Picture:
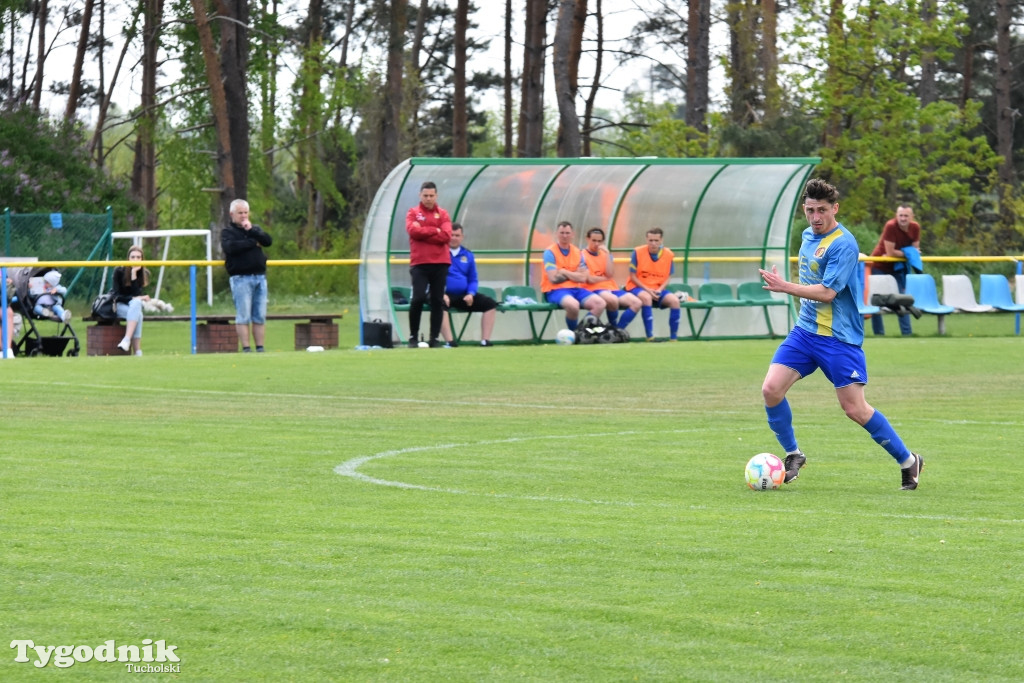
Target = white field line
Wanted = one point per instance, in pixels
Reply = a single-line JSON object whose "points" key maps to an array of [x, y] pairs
{"points": [[618, 408], [350, 468]]}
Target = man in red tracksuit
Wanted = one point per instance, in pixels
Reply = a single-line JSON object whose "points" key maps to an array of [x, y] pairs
{"points": [[430, 231]]}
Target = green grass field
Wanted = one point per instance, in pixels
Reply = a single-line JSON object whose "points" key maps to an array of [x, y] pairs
{"points": [[538, 513]]}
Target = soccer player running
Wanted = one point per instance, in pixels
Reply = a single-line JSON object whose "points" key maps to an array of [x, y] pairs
{"points": [[828, 335]]}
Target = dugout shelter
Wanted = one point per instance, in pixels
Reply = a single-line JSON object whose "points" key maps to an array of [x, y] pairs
{"points": [[723, 218]]}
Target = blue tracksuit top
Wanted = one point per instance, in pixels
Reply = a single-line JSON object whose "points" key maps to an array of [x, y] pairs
{"points": [[462, 278]]}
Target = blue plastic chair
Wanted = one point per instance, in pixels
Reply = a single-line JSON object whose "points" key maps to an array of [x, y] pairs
{"points": [[921, 286], [858, 294], [995, 291]]}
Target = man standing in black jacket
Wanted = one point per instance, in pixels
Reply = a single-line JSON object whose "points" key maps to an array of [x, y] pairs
{"points": [[242, 244]]}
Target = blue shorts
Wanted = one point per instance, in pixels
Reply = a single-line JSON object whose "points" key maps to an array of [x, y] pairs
{"points": [[250, 295], [617, 293], [843, 364], [658, 302], [555, 296]]}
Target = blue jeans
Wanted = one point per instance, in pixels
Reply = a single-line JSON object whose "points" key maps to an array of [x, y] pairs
{"points": [[250, 295], [878, 325], [40, 310], [131, 311]]}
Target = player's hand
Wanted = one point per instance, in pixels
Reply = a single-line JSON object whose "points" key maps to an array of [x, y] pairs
{"points": [[773, 282], [468, 299]]}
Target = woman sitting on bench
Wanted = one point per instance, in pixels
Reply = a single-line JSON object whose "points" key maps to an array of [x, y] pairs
{"points": [[128, 285]]}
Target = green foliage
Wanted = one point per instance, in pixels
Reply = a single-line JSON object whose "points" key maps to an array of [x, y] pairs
{"points": [[794, 133], [652, 129], [882, 147], [45, 168]]}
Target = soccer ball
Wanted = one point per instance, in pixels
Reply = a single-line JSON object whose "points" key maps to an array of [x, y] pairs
{"points": [[765, 472], [565, 337]]}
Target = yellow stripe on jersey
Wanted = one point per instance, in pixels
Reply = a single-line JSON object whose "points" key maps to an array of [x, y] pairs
{"points": [[823, 311]]}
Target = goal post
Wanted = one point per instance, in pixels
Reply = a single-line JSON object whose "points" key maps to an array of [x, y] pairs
{"points": [[136, 236]]}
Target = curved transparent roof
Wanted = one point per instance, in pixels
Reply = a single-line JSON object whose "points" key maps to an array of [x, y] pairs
{"points": [[721, 217]]}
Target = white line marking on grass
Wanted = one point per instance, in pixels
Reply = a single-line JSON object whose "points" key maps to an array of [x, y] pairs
{"points": [[350, 468], [617, 408]]}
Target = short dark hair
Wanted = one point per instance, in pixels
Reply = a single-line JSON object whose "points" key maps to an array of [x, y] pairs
{"points": [[456, 226], [428, 185], [820, 190], [656, 231], [597, 230], [561, 223]]}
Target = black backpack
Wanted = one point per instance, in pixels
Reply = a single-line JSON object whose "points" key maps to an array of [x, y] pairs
{"points": [[594, 331], [105, 307]]}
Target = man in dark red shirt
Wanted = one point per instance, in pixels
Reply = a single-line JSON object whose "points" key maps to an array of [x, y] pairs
{"points": [[901, 231], [430, 230]]}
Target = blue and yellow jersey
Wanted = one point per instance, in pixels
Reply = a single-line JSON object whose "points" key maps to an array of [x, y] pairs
{"points": [[831, 260]]}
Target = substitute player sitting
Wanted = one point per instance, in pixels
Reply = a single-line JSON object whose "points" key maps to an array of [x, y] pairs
{"points": [[563, 277], [650, 268], [600, 279], [461, 291]]}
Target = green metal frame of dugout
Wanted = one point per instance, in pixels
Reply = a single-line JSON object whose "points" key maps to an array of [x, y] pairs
{"points": [[723, 218]]}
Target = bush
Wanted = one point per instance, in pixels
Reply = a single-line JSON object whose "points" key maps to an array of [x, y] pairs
{"points": [[45, 168]]}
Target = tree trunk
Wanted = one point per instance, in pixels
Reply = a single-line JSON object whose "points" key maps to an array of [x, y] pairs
{"points": [[37, 84], [741, 17], [595, 83], [219, 106], [387, 157], [770, 59], [1005, 113], [416, 92], [508, 79], [23, 89], [568, 122], [834, 37], [268, 103], [144, 165], [75, 87], [698, 64], [460, 141], [309, 122], [234, 52], [928, 91], [531, 107], [96, 144]]}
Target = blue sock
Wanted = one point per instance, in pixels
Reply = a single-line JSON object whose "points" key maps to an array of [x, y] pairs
{"points": [[613, 318], [626, 318], [673, 323], [780, 419], [886, 437], [571, 323], [647, 313]]}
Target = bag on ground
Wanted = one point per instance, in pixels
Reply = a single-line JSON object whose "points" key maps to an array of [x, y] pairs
{"points": [[377, 333]]}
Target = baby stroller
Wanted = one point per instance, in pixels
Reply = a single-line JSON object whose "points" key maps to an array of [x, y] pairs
{"points": [[28, 284]]}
